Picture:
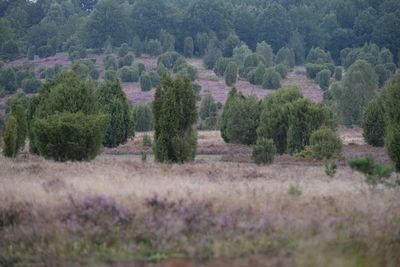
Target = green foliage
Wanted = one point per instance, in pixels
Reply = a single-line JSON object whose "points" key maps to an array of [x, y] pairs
{"points": [[294, 190], [154, 48], [10, 138], [31, 53], [145, 82], [240, 53], [313, 69], [169, 59], [146, 141], [174, 110], [323, 79], [155, 79], [230, 74], [188, 47], [143, 117], [373, 122], [220, 66], [282, 69], [240, 119], [19, 113], [208, 107], [264, 151], [358, 87], [229, 44], [167, 41], [338, 74], [9, 50], [128, 74], [110, 62], [143, 155], [318, 56], [373, 171], [45, 51], [125, 61], [137, 46], [256, 75], [201, 43], [391, 96], [212, 54], [324, 144], [271, 79], [285, 56], [70, 136], [123, 50], [265, 50], [140, 67], [382, 73], [8, 79], [110, 75], [114, 103], [331, 168]]}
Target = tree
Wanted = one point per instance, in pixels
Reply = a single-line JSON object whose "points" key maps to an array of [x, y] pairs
{"points": [[359, 85], [387, 32], [324, 144], [188, 47], [145, 82], [19, 113], [274, 26], [265, 50], [201, 44], [324, 79], [256, 75], [65, 123], [143, 117], [391, 96], [264, 151], [174, 110], [373, 122], [296, 44], [213, 53], [123, 50], [230, 74], [229, 44], [154, 48], [241, 119], [31, 53], [108, 20], [208, 107], [113, 102], [10, 138], [271, 79], [220, 66], [240, 53], [286, 56], [8, 79]]}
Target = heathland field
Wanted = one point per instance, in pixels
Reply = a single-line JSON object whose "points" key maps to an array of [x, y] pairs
{"points": [[220, 210]]}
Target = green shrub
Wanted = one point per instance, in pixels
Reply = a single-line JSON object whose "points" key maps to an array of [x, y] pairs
{"points": [[19, 113], [373, 122], [323, 79], [338, 74], [31, 86], [125, 61], [331, 168], [123, 50], [392, 144], [143, 156], [110, 75], [70, 136], [313, 69], [285, 56], [324, 144], [128, 74], [188, 47], [271, 79], [282, 70], [174, 110], [294, 190], [154, 48], [146, 141], [256, 75], [213, 53], [114, 103], [145, 82], [45, 51], [143, 118], [188, 70], [110, 62], [137, 46], [8, 79], [31, 53], [140, 67], [373, 171], [220, 66], [382, 73], [208, 107], [264, 151], [168, 59], [155, 79], [230, 74], [10, 138]]}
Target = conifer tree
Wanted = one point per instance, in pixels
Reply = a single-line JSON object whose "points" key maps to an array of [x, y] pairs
{"points": [[174, 110], [19, 113], [188, 47], [230, 74], [113, 102], [10, 138]]}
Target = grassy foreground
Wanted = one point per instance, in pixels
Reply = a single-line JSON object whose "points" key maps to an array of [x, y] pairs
{"points": [[117, 210]]}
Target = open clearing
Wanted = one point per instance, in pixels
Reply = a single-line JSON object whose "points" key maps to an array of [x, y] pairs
{"points": [[216, 211]]}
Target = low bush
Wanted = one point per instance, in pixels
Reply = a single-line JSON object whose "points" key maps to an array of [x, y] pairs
{"points": [[271, 80], [313, 69], [145, 82], [31, 86], [324, 144], [264, 151]]}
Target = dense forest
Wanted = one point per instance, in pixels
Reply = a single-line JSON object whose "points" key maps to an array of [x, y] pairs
{"points": [[298, 24]]}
